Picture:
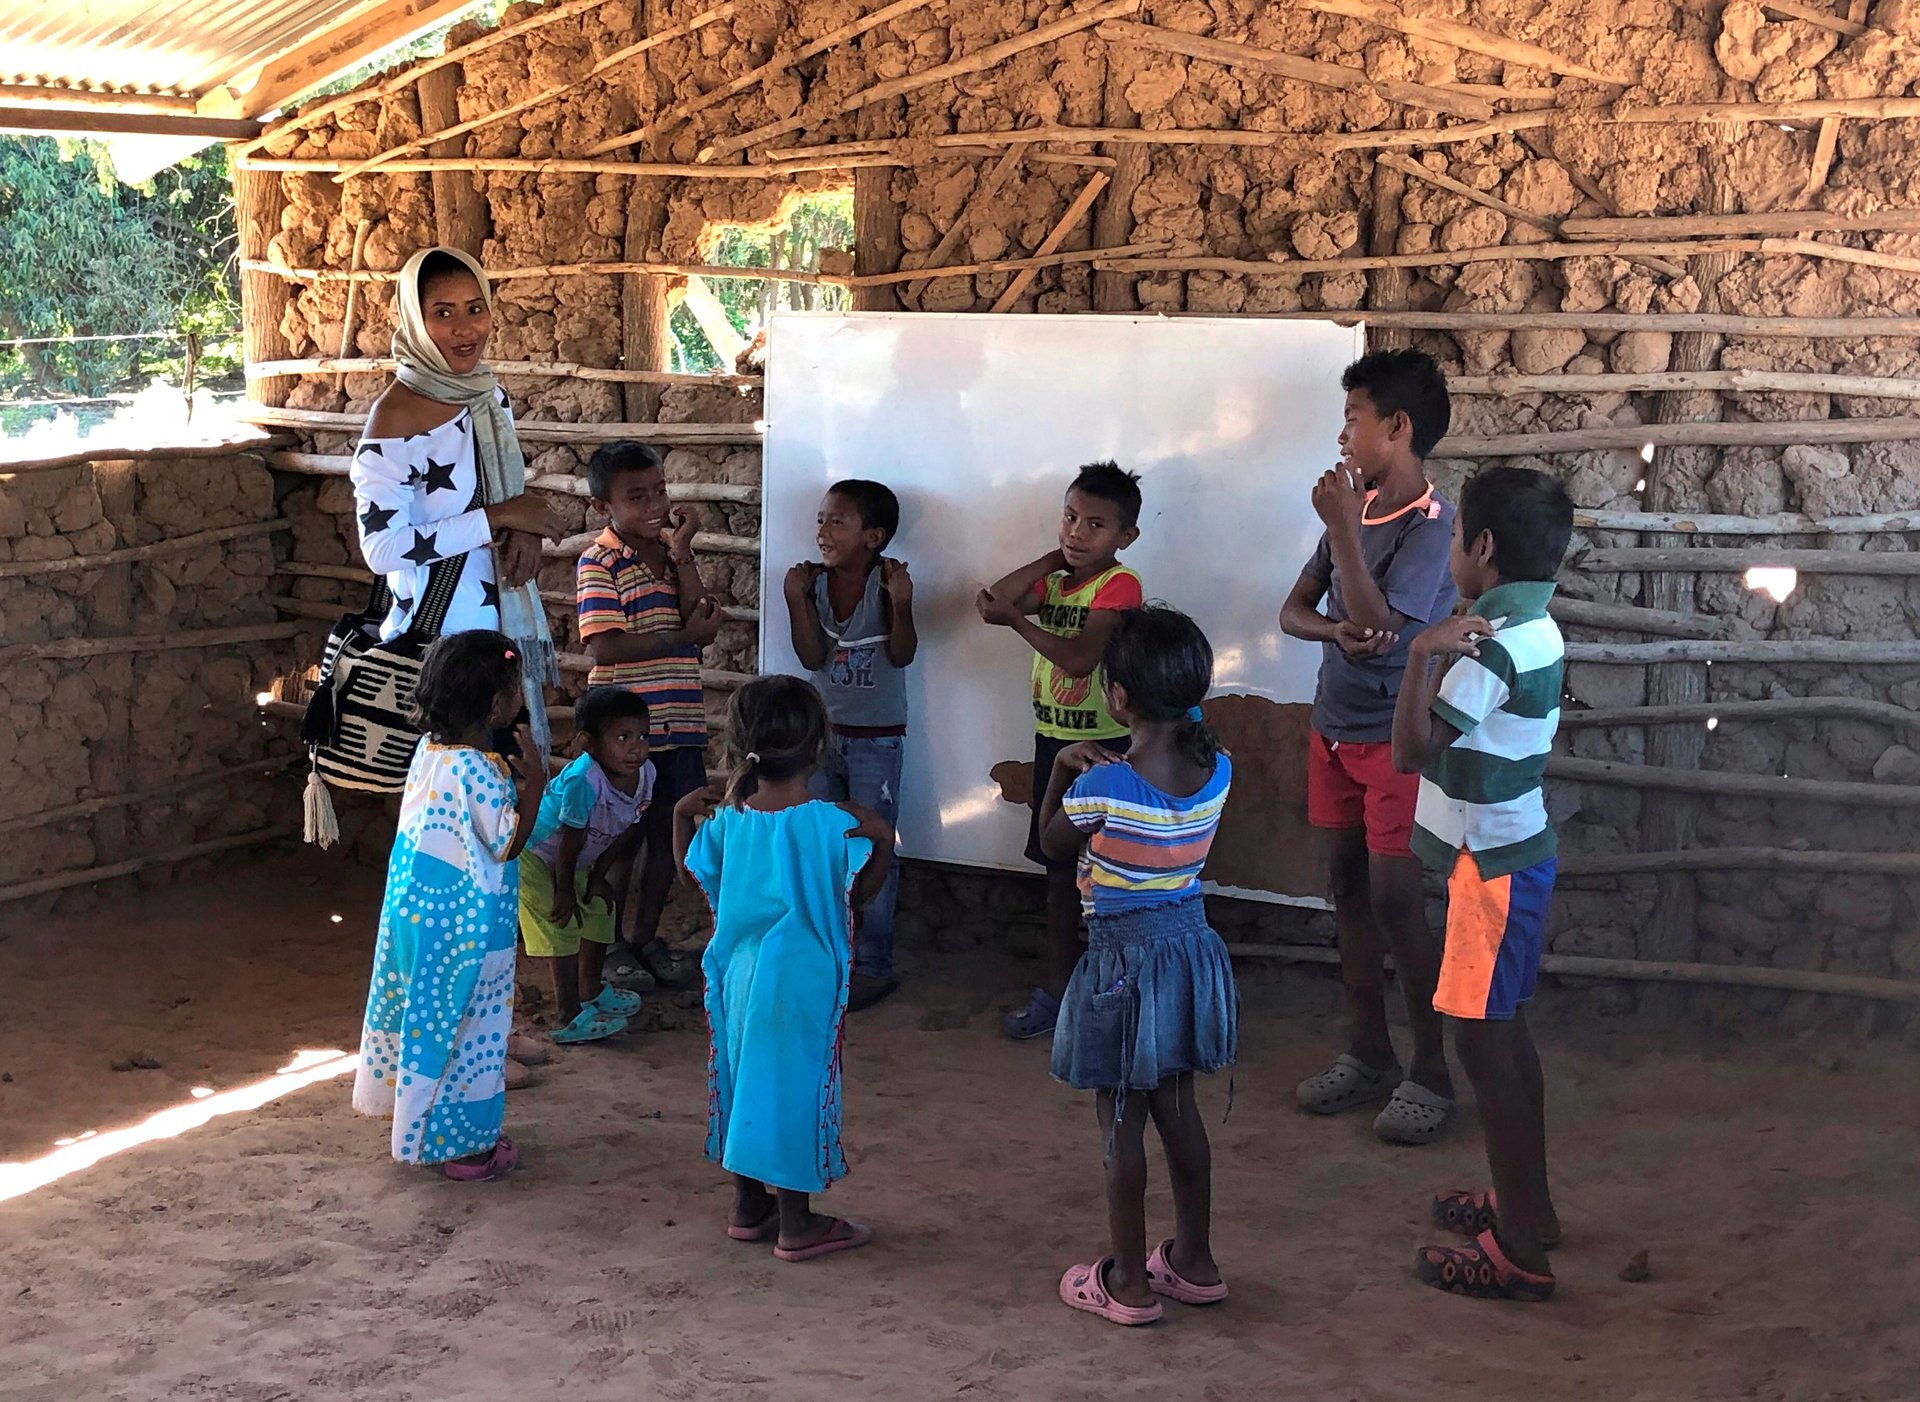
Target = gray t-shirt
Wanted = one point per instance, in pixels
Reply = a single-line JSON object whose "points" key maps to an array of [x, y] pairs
{"points": [[860, 684], [1406, 554]]}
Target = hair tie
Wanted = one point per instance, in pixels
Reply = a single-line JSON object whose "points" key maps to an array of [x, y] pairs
{"points": [[1194, 714], [509, 654], [753, 756]]}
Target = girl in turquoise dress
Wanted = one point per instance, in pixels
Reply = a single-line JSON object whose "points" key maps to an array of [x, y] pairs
{"points": [[784, 874], [433, 1050]]}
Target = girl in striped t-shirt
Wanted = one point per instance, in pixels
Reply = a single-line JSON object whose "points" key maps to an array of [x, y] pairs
{"points": [[1152, 1000]]}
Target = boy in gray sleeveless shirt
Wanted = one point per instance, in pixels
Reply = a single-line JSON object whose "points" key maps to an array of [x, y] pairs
{"points": [[852, 621]]}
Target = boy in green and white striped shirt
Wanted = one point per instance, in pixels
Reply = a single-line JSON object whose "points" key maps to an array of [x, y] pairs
{"points": [[1478, 728]]}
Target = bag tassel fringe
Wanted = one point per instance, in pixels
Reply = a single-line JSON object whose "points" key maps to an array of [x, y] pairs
{"points": [[322, 825]]}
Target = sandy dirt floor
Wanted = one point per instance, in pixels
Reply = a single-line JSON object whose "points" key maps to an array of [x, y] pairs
{"points": [[280, 1254]]}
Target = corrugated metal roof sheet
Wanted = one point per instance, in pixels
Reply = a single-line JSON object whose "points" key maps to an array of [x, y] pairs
{"points": [[154, 46]]}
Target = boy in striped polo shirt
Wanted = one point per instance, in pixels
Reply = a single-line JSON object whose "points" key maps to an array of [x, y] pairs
{"points": [[1478, 727], [644, 615]]}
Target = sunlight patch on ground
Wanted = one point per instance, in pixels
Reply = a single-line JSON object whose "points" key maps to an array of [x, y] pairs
{"points": [[84, 1151]]}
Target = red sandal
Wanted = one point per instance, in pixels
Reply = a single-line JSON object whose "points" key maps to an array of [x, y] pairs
{"points": [[1481, 1270], [1469, 1213]]}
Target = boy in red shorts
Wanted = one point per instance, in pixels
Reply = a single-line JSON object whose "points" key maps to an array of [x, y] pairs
{"points": [[1381, 568]]}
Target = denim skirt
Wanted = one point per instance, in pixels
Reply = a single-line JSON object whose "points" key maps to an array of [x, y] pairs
{"points": [[1152, 997]]}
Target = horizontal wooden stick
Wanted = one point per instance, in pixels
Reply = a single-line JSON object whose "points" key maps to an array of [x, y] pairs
{"points": [[680, 111], [1841, 253], [1463, 36], [1769, 433], [1770, 708], [419, 68], [1719, 783], [341, 465], [1009, 265], [535, 369], [1654, 971], [731, 613], [1807, 110], [227, 447], [179, 545], [86, 807], [261, 265], [1668, 381], [87, 876], [905, 149], [70, 648], [1788, 222], [571, 547], [546, 94], [1438, 258], [978, 61], [1707, 523], [1633, 619], [530, 431], [1673, 323], [1294, 68], [1895, 564]]}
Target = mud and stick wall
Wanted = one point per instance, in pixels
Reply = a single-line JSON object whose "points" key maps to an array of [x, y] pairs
{"points": [[1357, 202], [138, 678]]}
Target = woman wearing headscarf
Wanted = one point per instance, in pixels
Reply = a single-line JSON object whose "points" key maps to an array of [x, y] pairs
{"points": [[439, 473]]}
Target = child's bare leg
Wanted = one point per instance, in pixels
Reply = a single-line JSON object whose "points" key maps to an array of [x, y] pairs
{"points": [[1126, 1279], [1063, 929], [1190, 1167], [751, 1202], [1399, 913], [1494, 1054], [592, 956], [1362, 951], [800, 1225], [566, 986]]}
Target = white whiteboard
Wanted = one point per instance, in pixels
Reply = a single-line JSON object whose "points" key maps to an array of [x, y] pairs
{"points": [[978, 423]]}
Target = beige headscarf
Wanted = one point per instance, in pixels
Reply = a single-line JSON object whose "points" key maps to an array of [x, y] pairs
{"points": [[501, 466]]}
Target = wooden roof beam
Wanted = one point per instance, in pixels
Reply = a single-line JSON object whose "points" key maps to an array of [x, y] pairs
{"points": [[331, 52], [38, 118], [89, 99]]}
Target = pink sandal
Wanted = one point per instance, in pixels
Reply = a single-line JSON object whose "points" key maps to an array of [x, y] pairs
{"points": [[1163, 1279], [841, 1236], [498, 1164], [1084, 1288]]}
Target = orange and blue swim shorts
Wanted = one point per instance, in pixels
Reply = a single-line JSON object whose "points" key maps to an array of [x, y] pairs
{"points": [[1495, 930]]}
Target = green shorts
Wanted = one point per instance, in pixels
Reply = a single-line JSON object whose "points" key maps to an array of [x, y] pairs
{"points": [[544, 937]]}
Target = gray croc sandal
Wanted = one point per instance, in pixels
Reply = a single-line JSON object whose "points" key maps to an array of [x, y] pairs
{"points": [[1415, 1115], [1349, 1084]]}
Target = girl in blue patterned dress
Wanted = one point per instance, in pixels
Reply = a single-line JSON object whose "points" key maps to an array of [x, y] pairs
{"points": [[784, 873], [433, 1050], [1152, 1001]]}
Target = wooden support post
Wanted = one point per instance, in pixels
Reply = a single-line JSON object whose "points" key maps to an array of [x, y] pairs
{"points": [[876, 230], [1676, 480], [1386, 287], [644, 337], [1114, 291], [460, 216], [110, 755], [258, 203]]}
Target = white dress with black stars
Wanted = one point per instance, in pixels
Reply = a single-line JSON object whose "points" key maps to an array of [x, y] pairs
{"points": [[415, 499]]}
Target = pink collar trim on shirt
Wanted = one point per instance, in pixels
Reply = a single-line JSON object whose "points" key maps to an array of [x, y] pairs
{"points": [[1424, 503]]}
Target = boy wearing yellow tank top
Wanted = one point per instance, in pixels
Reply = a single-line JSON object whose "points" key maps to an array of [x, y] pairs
{"points": [[1065, 605]]}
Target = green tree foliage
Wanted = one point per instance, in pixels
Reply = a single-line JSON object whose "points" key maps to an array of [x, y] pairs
{"points": [[822, 221], [83, 255]]}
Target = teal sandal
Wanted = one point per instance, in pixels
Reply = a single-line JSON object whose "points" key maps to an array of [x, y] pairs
{"points": [[615, 1002], [592, 1025]]}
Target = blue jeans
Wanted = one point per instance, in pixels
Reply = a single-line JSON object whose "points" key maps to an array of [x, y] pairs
{"points": [[866, 770]]}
